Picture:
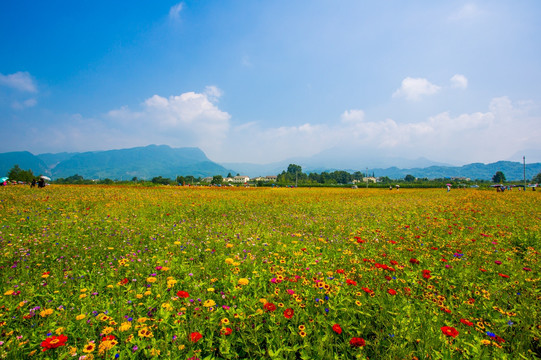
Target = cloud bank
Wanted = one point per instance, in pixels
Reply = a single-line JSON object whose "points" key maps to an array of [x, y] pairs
{"points": [[20, 80]]}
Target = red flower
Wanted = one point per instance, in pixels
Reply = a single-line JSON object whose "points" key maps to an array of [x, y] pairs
{"points": [[337, 329], [414, 261], [226, 331], [466, 322], [124, 281], [53, 342], [195, 337], [183, 294], [108, 338], [357, 342], [288, 313], [269, 306], [351, 282], [503, 275], [340, 271], [449, 331], [392, 291]]}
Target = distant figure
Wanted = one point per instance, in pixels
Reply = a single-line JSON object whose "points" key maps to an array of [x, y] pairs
{"points": [[390, 187], [33, 184], [41, 183], [397, 187], [448, 188]]}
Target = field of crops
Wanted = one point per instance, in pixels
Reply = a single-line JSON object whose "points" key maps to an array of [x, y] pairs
{"points": [[227, 273]]}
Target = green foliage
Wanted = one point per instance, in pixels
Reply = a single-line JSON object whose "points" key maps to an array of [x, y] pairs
{"points": [[217, 180], [161, 180], [537, 178], [18, 174], [409, 178], [499, 177]]}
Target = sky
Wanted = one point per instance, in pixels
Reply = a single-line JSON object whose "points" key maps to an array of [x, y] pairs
{"points": [[262, 81]]}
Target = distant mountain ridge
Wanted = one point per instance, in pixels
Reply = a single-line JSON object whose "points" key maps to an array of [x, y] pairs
{"points": [[124, 164], [161, 160]]}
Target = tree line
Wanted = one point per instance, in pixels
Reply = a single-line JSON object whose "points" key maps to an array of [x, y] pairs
{"points": [[293, 175]]}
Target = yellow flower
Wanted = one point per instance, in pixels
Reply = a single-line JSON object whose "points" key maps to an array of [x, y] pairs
{"points": [[148, 292], [125, 326], [89, 347], [154, 352], [229, 261], [302, 333], [142, 320], [139, 296], [243, 281], [107, 330], [145, 332], [229, 245], [80, 317], [263, 301], [9, 292], [60, 330], [82, 296], [209, 303], [225, 321], [210, 289], [151, 279], [302, 327], [84, 290], [46, 312]]}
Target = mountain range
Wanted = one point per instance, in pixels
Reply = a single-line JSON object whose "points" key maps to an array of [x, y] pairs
{"points": [[161, 160]]}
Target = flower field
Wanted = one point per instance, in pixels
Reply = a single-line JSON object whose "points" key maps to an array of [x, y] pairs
{"points": [[270, 273]]}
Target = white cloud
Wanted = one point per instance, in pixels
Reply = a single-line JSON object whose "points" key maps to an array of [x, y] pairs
{"points": [[25, 104], [444, 137], [21, 81], [174, 11], [459, 81], [415, 88], [352, 116], [189, 119]]}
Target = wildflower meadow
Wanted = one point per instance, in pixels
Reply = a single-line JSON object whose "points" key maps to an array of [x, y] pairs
{"points": [[133, 272]]}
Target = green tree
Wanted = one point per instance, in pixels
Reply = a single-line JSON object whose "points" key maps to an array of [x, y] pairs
{"points": [[409, 178], [294, 169], [161, 180], [499, 177], [537, 178], [181, 180], [18, 174], [217, 180]]}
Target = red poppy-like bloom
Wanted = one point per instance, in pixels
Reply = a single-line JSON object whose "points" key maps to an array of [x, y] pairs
{"points": [[426, 274], [357, 342], [288, 313], [108, 338], [414, 261], [503, 275], [53, 342], [351, 282], [449, 331], [392, 291], [195, 337], [226, 331], [124, 281], [269, 306], [466, 322], [340, 271], [183, 294], [337, 329]]}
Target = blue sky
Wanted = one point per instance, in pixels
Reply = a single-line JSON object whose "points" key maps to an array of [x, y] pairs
{"points": [[262, 81]]}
